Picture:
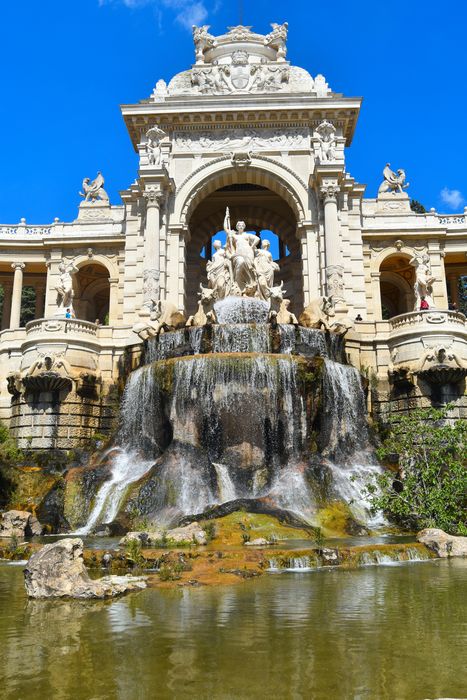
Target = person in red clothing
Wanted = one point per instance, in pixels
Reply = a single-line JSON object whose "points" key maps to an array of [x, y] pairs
{"points": [[424, 304]]}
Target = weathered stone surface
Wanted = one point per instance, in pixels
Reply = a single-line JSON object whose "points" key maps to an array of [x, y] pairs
{"points": [[19, 523], [442, 544], [58, 571], [258, 542], [190, 534], [330, 556]]}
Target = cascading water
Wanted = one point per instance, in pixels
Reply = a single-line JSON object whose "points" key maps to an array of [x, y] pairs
{"points": [[231, 411]]}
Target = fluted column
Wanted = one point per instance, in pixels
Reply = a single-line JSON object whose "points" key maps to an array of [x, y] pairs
{"points": [[16, 295], [334, 268], [152, 243], [7, 290], [310, 263]]}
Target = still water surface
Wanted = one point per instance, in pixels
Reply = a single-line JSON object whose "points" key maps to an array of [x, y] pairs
{"points": [[391, 632]]}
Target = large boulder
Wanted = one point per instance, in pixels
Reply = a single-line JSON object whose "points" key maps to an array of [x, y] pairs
{"points": [[442, 544], [57, 571], [19, 523]]}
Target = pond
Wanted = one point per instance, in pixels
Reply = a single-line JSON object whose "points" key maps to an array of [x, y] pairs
{"points": [[397, 632]]}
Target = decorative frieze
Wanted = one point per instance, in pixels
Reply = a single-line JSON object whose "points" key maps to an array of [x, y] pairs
{"points": [[247, 139]]}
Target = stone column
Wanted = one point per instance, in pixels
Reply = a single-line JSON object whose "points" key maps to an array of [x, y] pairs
{"points": [[334, 268], [16, 295], [113, 300], [310, 262], [40, 300], [453, 282], [151, 271], [7, 290]]}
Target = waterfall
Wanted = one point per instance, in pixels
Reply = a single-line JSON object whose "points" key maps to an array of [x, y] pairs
{"points": [[348, 486], [126, 468], [225, 484], [287, 333], [236, 423], [241, 337], [343, 424], [185, 341], [241, 310]]}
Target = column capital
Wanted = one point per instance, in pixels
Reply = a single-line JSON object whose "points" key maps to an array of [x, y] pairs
{"points": [[18, 266], [329, 192], [154, 197]]}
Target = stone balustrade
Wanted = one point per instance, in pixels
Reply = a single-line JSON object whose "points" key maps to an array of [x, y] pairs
{"points": [[449, 320], [70, 326], [21, 230], [452, 219]]}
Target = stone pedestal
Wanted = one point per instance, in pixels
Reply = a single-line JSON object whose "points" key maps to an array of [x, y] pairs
{"points": [[393, 203]]}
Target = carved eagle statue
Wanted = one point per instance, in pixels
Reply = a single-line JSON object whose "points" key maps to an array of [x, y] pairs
{"points": [[93, 191]]}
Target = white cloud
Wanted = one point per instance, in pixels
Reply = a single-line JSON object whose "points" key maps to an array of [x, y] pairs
{"points": [[187, 12], [452, 198]]}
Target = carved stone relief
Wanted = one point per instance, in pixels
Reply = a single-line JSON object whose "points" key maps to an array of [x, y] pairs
{"points": [[247, 139]]}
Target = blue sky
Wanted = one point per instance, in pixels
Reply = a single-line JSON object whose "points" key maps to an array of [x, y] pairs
{"points": [[67, 65]]}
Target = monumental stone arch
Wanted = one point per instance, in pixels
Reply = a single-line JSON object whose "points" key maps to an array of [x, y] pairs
{"points": [[265, 195], [241, 136]]}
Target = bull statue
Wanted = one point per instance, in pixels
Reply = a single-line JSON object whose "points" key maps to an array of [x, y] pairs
{"points": [[279, 307], [165, 317], [318, 314], [205, 314]]}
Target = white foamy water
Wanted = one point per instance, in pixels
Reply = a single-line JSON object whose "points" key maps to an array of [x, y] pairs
{"points": [[225, 484], [127, 467]]}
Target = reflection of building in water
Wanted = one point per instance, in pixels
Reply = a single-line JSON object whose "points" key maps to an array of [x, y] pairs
{"points": [[246, 129]]}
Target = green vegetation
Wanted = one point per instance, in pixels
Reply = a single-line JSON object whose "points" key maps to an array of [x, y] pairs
{"points": [[426, 484], [134, 555], [417, 207], [9, 452]]}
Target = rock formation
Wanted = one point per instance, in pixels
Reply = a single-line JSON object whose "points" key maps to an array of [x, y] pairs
{"points": [[57, 571], [442, 544], [19, 523]]}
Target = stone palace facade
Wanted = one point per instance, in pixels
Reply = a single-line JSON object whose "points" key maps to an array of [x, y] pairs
{"points": [[242, 128]]}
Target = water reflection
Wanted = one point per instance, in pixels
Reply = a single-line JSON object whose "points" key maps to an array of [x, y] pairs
{"points": [[381, 632]]}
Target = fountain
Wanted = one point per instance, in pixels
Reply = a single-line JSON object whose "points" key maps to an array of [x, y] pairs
{"points": [[242, 412]]}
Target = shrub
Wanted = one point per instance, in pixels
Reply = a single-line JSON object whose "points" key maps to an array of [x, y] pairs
{"points": [[427, 483]]}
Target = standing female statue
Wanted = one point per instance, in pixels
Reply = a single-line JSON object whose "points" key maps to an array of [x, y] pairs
{"points": [[423, 286], [240, 251], [265, 268], [218, 272], [64, 288]]}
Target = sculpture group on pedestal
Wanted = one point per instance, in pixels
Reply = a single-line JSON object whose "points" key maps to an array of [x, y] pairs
{"points": [[241, 268], [393, 182], [94, 191]]}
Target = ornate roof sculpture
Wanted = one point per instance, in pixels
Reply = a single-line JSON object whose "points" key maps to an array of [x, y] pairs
{"points": [[241, 61]]}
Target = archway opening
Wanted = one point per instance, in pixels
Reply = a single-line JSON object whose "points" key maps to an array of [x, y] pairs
{"points": [[396, 286], [455, 267], [266, 214], [92, 293]]}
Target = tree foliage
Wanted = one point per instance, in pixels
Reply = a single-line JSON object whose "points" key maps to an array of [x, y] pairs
{"points": [[417, 207], [426, 482]]}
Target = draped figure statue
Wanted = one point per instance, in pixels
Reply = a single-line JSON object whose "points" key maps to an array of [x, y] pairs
{"points": [[265, 268], [241, 248], [217, 271]]}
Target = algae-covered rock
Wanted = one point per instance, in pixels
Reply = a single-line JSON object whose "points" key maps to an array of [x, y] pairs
{"points": [[190, 534], [57, 571], [442, 544], [19, 523]]}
